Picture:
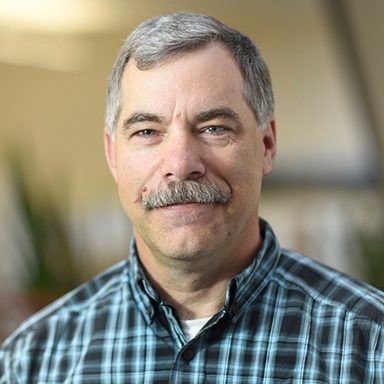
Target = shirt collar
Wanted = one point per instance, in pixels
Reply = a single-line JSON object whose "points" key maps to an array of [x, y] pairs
{"points": [[245, 288], [242, 290], [142, 291]]}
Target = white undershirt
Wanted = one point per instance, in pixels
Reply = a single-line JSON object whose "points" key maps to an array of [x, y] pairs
{"points": [[192, 327]]}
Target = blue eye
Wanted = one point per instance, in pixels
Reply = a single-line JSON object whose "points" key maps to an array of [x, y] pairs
{"points": [[216, 129], [146, 132]]}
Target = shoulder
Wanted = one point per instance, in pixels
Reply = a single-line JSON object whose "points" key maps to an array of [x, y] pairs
{"points": [[102, 291], [330, 290]]}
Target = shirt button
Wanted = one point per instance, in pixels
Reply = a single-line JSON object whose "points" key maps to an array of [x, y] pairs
{"points": [[188, 354]]}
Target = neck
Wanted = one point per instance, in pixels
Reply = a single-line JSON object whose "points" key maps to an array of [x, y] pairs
{"points": [[195, 288], [193, 296]]}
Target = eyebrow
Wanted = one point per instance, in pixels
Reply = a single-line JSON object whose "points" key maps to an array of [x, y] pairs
{"points": [[210, 114], [140, 117], [219, 112]]}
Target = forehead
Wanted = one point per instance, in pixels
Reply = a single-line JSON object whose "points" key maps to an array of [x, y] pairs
{"points": [[209, 68]]}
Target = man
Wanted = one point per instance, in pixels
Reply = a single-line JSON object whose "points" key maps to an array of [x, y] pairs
{"points": [[207, 295]]}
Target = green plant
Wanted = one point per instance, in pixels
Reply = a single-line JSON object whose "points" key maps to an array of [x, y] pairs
{"points": [[49, 253], [373, 253]]}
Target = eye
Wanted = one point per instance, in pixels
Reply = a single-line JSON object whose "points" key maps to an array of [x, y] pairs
{"points": [[145, 133], [216, 129], [146, 136]]}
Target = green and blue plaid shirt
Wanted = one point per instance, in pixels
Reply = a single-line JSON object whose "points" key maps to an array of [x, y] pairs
{"points": [[286, 319]]}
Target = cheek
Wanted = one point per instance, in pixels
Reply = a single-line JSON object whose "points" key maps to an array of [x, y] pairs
{"points": [[247, 162], [246, 173], [127, 164], [135, 174], [127, 176]]}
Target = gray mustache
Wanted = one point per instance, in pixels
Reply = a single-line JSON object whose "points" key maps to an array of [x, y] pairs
{"points": [[182, 192]]}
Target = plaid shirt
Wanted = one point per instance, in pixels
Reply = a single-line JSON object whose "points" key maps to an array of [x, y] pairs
{"points": [[285, 319]]}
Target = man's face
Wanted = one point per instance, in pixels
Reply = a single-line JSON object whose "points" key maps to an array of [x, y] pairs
{"points": [[187, 119]]}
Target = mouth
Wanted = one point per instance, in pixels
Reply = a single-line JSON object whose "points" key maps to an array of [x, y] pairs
{"points": [[184, 205], [181, 214]]}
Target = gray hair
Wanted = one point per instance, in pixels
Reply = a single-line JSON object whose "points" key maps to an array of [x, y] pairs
{"points": [[185, 191], [165, 36]]}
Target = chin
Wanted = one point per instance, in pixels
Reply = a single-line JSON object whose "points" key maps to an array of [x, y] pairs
{"points": [[183, 242], [184, 250], [186, 247]]}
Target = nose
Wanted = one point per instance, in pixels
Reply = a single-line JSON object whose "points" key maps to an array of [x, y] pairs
{"points": [[181, 157]]}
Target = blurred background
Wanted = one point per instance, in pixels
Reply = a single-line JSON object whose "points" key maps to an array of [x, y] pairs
{"points": [[60, 219]]}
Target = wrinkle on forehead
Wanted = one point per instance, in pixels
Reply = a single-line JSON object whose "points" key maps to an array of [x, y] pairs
{"points": [[181, 88]]}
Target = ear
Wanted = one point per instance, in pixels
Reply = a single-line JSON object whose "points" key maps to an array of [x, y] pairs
{"points": [[269, 141], [110, 152]]}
